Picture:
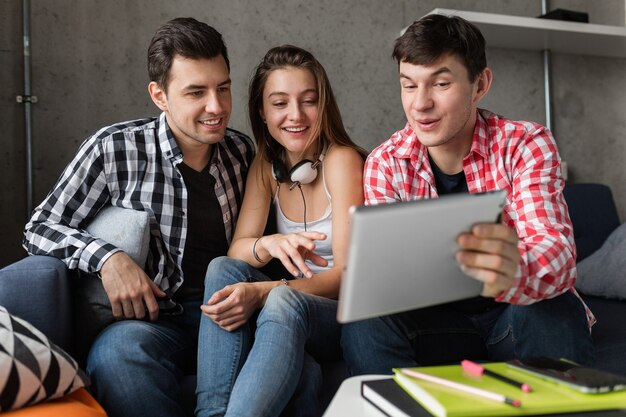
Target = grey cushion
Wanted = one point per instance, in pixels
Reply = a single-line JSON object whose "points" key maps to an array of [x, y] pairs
{"points": [[603, 273], [126, 229], [37, 289]]}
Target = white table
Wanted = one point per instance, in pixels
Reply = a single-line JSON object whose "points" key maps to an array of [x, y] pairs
{"points": [[348, 401]]}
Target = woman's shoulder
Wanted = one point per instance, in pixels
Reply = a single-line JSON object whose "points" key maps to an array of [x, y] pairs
{"points": [[261, 172], [342, 162], [340, 155]]}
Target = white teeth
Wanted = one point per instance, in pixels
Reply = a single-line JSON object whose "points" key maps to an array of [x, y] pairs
{"points": [[211, 122], [295, 129]]}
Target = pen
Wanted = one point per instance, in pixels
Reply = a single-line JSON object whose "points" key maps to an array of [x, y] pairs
{"points": [[490, 395], [477, 369]]}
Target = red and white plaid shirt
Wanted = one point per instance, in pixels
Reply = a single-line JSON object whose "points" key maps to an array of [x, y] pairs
{"points": [[519, 157]]}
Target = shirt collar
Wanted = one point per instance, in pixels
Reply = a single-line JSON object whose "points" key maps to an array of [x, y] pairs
{"points": [[170, 148], [167, 142], [407, 146], [480, 141]]}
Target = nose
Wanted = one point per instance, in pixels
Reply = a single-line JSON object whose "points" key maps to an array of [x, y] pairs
{"points": [[213, 104], [422, 100], [295, 112]]}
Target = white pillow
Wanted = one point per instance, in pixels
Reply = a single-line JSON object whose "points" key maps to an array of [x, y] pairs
{"points": [[126, 229], [603, 273], [32, 368]]}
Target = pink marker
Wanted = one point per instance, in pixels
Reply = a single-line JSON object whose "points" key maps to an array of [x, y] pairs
{"points": [[477, 369], [490, 395]]}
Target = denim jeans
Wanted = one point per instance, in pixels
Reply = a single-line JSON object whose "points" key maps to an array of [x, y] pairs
{"points": [[438, 335], [135, 366], [258, 368]]}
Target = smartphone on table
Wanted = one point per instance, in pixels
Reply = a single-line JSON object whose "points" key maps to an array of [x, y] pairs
{"points": [[581, 378]]}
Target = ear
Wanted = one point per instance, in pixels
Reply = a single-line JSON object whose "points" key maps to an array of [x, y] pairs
{"points": [[482, 84], [262, 113], [158, 95]]}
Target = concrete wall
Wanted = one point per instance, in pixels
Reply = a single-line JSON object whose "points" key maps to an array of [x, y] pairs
{"points": [[89, 57]]}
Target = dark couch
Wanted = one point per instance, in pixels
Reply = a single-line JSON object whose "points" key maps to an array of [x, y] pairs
{"points": [[594, 217], [38, 290]]}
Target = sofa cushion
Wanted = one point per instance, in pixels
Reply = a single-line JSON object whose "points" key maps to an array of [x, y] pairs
{"points": [[126, 229], [609, 333], [603, 273], [593, 213], [37, 289], [32, 369], [77, 404]]}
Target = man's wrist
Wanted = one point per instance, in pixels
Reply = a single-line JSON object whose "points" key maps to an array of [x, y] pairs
{"points": [[95, 254]]}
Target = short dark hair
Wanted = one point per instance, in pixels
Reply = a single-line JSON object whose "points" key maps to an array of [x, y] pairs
{"points": [[434, 35], [184, 36]]}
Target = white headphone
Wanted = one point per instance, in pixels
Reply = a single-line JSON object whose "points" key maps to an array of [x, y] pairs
{"points": [[304, 172]]}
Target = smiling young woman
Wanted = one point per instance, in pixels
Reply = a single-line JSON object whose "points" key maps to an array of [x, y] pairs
{"points": [[309, 169]]}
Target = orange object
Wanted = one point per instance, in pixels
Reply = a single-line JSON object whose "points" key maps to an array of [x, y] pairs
{"points": [[77, 404]]}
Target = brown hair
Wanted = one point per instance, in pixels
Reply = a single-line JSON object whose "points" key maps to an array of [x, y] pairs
{"points": [[427, 39], [184, 36]]}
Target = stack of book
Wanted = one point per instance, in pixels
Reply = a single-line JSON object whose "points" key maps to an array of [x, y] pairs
{"points": [[449, 391]]}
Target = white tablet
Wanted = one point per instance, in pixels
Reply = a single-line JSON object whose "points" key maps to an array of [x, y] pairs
{"points": [[402, 255]]}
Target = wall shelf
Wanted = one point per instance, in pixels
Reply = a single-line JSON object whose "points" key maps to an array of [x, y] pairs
{"points": [[531, 33]]}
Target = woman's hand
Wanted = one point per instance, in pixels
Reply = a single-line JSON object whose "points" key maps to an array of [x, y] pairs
{"points": [[233, 305], [294, 248]]}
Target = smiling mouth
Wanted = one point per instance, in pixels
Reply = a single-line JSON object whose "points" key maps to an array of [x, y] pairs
{"points": [[427, 123], [295, 129], [212, 122]]}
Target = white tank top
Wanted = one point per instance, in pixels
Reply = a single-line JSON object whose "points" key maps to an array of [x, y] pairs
{"points": [[323, 248]]}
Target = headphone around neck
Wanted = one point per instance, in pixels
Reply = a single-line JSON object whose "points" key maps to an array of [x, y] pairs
{"points": [[304, 172]]}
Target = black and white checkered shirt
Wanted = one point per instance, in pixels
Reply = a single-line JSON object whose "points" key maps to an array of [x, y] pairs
{"points": [[134, 165]]}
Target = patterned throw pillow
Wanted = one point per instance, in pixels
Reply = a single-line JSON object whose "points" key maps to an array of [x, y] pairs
{"points": [[32, 369]]}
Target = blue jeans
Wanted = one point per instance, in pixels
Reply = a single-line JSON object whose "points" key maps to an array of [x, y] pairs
{"points": [[442, 334], [135, 366], [258, 368]]}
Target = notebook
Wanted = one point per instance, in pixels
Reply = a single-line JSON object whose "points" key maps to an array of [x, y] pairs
{"points": [[392, 400], [402, 255], [545, 398]]}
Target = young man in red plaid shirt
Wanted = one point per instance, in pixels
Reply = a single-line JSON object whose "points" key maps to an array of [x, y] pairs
{"points": [[528, 306]]}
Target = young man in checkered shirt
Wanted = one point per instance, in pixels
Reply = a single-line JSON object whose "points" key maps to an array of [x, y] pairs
{"points": [[528, 306], [187, 170]]}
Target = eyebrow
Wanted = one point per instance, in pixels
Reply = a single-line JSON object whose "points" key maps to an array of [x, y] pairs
{"points": [[442, 70], [281, 93], [201, 86]]}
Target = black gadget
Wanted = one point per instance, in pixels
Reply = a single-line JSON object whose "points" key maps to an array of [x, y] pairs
{"points": [[304, 172], [578, 377]]}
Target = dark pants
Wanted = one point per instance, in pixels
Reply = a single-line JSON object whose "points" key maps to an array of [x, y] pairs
{"points": [[443, 334]]}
